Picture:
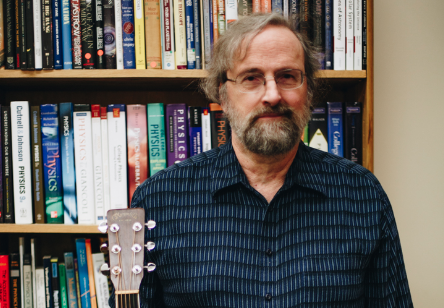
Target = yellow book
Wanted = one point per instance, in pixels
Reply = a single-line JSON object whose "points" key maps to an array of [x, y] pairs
{"points": [[139, 34], [179, 34], [152, 34]]}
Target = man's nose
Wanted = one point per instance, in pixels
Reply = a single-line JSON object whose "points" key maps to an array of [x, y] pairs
{"points": [[272, 93]]}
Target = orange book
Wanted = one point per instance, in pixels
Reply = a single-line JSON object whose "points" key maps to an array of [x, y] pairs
{"points": [[256, 6], [215, 21], [89, 261], [152, 34], [266, 6]]}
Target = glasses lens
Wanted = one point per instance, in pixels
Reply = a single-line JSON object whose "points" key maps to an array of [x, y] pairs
{"points": [[289, 79], [250, 82]]}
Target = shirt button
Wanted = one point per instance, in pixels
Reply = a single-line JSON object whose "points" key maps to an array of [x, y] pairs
{"points": [[268, 297], [269, 252]]}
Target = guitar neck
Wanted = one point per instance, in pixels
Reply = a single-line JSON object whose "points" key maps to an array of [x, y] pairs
{"points": [[127, 299]]}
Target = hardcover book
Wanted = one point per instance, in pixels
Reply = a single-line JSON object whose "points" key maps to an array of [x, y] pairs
{"points": [[189, 22], [27, 281], [231, 11], [100, 48], [21, 11], [84, 164], [206, 129], [139, 34], [76, 271], [16, 290], [5, 291], [101, 281], [153, 34], [29, 24], [9, 34], [129, 52], [364, 34], [40, 287], [197, 33], [57, 34], [180, 34], [63, 292], [335, 133], [2, 206], [37, 166], [137, 147], [306, 20], [319, 30], [76, 35], [71, 287], [37, 18], [109, 33], [195, 130], [207, 29], [276, 6], [328, 34], [68, 168], [293, 13], [317, 128], [21, 162], [339, 35], [85, 296], [118, 34], [89, 261], [8, 190], [33, 271], [167, 35], [220, 127], [156, 134], [177, 131], [21, 258], [47, 46], [88, 34], [52, 169], [48, 282], [2, 36], [353, 132], [357, 22], [97, 163], [105, 159], [55, 283], [349, 35], [66, 35]]}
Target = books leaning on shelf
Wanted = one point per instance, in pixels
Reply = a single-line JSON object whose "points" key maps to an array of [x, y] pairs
{"points": [[172, 35]]}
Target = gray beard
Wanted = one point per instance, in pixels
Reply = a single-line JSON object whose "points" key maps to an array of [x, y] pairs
{"points": [[269, 139]]}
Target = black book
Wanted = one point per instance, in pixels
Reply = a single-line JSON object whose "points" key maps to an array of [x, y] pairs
{"points": [[37, 167], [100, 55], [306, 20], [48, 281], [15, 286], [293, 13], [9, 34], [220, 127], [8, 191], [55, 282], [317, 128], [87, 14], [30, 57], [109, 34], [17, 33], [23, 32], [318, 12], [353, 132], [47, 51]]}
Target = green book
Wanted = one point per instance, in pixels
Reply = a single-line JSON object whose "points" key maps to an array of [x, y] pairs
{"points": [[63, 292], [306, 135], [156, 138]]}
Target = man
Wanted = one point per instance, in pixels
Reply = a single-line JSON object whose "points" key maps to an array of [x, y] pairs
{"points": [[265, 221]]}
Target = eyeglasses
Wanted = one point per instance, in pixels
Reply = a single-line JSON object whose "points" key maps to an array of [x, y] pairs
{"points": [[288, 79]]}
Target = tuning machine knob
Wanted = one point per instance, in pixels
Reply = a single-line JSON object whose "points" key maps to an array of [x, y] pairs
{"points": [[103, 227], [150, 224], [104, 269], [104, 248], [150, 246], [150, 267]]}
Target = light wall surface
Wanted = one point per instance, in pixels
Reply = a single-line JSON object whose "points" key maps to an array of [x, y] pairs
{"points": [[409, 134]]}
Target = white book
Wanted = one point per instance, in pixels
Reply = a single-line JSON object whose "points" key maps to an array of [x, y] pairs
{"points": [[180, 39], [97, 163], [285, 8], [118, 33], [84, 164], [21, 162], [205, 6], [349, 36], [105, 159], [22, 277], [37, 19], [339, 35], [167, 35], [40, 288], [230, 12], [100, 281], [206, 130], [27, 284], [33, 269], [117, 156], [358, 34]]}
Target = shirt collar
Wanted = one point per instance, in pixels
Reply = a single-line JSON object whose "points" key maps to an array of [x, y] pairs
{"points": [[305, 171]]}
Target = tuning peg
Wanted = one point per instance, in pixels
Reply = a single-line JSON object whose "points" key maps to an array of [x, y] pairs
{"points": [[150, 267], [104, 247], [104, 269], [150, 246], [103, 227], [151, 224]]}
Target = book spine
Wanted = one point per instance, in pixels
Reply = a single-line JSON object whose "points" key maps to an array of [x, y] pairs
{"points": [[207, 30], [105, 159], [189, 23], [195, 130], [219, 126], [129, 52], [22, 34], [117, 156], [206, 130], [33, 270], [9, 34], [317, 129], [37, 167], [2, 33], [2, 205], [357, 56], [318, 30], [85, 297], [71, 287], [197, 34], [57, 34], [364, 34], [256, 6], [76, 35], [137, 147], [153, 34], [335, 133], [339, 35], [215, 29], [306, 19], [349, 35], [89, 261], [47, 52], [176, 115], [37, 11], [118, 34], [14, 267], [76, 271], [84, 164], [88, 34], [244, 8], [231, 11], [30, 56], [7, 166], [63, 291], [100, 49], [48, 282], [66, 35], [40, 288], [55, 283], [277, 6], [100, 281], [180, 36], [221, 18], [293, 13], [156, 133], [167, 35], [5, 292], [265, 6], [97, 163], [17, 32], [353, 132], [139, 34], [328, 34], [52, 169], [286, 8], [109, 33], [27, 281], [21, 257], [21, 161], [68, 167]]}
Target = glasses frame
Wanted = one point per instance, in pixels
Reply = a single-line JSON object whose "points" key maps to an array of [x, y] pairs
{"points": [[265, 81]]}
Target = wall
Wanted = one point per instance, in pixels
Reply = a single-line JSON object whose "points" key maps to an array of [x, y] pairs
{"points": [[409, 134]]}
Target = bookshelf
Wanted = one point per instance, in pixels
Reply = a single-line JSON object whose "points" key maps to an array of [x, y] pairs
{"points": [[147, 86]]}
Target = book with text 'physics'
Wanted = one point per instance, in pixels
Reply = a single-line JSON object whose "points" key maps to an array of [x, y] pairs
{"points": [[177, 133], [37, 166], [14, 267], [317, 128], [156, 137], [220, 128], [335, 130], [97, 163]]}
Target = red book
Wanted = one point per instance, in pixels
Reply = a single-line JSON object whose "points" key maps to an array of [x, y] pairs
{"points": [[4, 282]]}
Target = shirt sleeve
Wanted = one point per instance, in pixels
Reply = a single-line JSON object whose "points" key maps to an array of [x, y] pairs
{"points": [[386, 278]]}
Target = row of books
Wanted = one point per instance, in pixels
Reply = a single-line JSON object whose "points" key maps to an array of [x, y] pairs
{"points": [[336, 127], [155, 34], [74, 282], [65, 163]]}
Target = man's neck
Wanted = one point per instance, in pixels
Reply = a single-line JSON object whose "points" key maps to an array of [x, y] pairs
{"points": [[265, 174]]}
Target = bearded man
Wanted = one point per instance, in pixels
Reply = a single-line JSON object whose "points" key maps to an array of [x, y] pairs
{"points": [[265, 221]]}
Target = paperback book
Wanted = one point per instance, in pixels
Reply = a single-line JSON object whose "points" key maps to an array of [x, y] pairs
{"points": [[176, 120], [156, 134]]}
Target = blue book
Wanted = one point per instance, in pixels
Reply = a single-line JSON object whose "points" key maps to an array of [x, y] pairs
{"points": [[276, 6], [189, 21], [85, 297], [48, 282], [68, 168], [335, 134], [52, 168], [195, 130], [66, 35], [57, 34], [71, 287], [328, 34], [211, 28], [129, 51], [197, 38]]}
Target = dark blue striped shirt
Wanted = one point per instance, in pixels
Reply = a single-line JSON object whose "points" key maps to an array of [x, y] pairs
{"points": [[327, 239]]}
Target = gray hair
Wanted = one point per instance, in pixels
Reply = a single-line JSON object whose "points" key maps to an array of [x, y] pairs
{"points": [[228, 49]]}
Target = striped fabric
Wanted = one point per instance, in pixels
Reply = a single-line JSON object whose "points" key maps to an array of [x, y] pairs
{"points": [[327, 239]]}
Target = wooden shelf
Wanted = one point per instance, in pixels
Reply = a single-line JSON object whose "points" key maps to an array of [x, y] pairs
{"points": [[48, 228]]}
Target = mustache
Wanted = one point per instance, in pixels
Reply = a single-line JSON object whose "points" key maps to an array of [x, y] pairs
{"points": [[279, 109]]}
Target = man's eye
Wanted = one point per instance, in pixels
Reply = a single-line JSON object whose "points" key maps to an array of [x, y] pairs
{"points": [[251, 79]]}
